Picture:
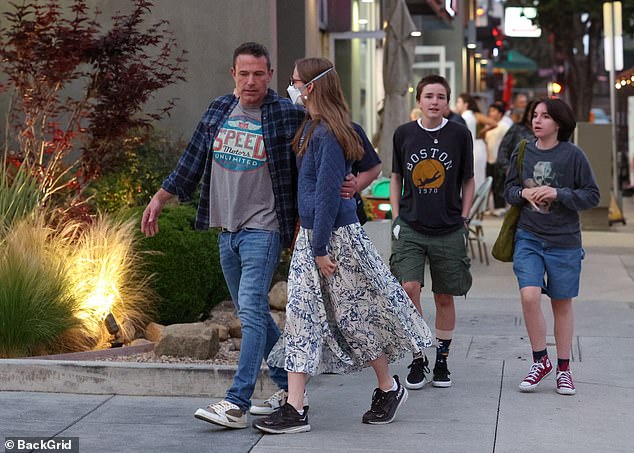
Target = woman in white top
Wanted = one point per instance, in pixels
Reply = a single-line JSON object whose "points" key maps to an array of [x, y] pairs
{"points": [[467, 107]]}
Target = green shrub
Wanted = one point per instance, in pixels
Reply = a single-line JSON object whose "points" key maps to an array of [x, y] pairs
{"points": [[281, 272], [134, 181], [35, 305], [187, 273], [19, 196]]}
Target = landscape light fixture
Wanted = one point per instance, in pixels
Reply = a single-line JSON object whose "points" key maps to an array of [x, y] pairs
{"points": [[113, 329]]}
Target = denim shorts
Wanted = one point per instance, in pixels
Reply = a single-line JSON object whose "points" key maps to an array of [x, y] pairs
{"points": [[447, 255], [555, 270]]}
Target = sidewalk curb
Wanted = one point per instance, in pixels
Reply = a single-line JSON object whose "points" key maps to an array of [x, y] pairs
{"points": [[123, 378]]}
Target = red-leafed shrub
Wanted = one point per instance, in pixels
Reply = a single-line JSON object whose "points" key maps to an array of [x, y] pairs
{"points": [[78, 90]]}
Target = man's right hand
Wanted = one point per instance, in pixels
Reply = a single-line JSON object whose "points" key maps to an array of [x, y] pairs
{"points": [[149, 221]]}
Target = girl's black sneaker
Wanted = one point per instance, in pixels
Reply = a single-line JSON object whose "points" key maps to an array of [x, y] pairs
{"points": [[285, 420], [385, 404]]}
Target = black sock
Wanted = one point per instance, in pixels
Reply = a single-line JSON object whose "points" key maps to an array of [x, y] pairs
{"points": [[563, 364], [442, 351], [538, 355]]}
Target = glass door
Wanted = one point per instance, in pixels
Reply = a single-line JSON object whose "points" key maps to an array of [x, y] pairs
{"points": [[358, 57]]}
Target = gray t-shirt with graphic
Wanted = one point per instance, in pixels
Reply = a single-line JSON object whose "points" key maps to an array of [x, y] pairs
{"points": [[241, 192], [566, 168]]}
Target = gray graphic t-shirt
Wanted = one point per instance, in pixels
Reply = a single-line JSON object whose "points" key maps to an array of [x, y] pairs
{"points": [[566, 168], [241, 192]]}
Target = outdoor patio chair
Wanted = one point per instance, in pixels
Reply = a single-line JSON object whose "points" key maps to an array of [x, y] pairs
{"points": [[476, 230]]}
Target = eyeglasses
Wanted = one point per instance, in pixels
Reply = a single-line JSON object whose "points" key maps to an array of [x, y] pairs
{"points": [[292, 81]]}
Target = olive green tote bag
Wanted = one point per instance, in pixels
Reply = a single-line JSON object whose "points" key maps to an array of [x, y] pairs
{"points": [[505, 243]]}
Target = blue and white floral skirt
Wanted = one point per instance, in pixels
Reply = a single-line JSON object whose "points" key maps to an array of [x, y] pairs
{"points": [[338, 324]]}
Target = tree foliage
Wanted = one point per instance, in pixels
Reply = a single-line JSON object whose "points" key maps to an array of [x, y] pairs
{"points": [[568, 23], [78, 89]]}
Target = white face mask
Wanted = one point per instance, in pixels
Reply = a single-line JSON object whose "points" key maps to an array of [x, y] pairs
{"points": [[296, 94]]}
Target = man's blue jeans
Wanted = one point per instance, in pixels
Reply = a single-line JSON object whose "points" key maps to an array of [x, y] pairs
{"points": [[248, 259]]}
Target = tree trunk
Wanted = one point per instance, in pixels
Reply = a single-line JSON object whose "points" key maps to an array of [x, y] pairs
{"points": [[564, 20], [584, 73]]}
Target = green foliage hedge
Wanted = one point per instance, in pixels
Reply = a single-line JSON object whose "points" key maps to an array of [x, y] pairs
{"points": [[187, 273], [134, 181]]}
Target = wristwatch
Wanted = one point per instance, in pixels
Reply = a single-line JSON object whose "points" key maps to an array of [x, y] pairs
{"points": [[466, 220]]}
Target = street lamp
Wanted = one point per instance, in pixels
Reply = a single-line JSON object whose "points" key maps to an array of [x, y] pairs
{"points": [[557, 88]]}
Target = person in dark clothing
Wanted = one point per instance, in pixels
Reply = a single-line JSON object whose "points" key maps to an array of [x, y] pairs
{"points": [[517, 132], [453, 116], [431, 191], [512, 138]]}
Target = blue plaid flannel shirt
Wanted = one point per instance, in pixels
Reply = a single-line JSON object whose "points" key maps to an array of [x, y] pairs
{"points": [[280, 121]]}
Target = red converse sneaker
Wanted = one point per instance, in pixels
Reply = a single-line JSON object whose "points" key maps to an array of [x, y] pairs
{"points": [[539, 370], [565, 385]]}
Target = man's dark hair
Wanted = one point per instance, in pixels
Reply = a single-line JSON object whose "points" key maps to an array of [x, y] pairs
{"points": [[470, 101], [430, 80], [563, 116], [499, 107], [502, 104], [527, 116], [254, 49]]}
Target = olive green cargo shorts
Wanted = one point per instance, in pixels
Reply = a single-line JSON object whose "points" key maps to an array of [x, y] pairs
{"points": [[447, 255]]}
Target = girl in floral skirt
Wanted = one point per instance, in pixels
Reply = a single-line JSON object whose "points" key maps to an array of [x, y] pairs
{"points": [[345, 309]]}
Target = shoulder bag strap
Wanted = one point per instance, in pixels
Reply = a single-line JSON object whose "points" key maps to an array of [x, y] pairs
{"points": [[520, 158]]}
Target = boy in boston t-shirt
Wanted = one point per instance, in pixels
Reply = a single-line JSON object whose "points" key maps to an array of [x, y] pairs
{"points": [[431, 192]]}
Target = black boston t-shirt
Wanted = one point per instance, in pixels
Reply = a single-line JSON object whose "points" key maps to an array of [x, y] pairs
{"points": [[433, 174]]}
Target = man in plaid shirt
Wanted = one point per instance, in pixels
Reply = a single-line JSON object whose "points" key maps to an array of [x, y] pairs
{"points": [[242, 153]]}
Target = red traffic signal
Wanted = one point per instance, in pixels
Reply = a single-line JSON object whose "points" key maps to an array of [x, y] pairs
{"points": [[498, 36]]}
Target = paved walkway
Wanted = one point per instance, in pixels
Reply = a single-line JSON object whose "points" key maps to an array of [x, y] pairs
{"points": [[482, 412]]}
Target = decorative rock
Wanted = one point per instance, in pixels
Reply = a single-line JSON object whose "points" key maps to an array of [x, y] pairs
{"points": [[223, 331], [235, 329], [224, 306], [154, 332], [139, 342], [127, 332], [277, 296], [195, 340], [279, 317]]}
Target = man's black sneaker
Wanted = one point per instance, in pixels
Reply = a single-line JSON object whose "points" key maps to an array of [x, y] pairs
{"points": [[416, 378], [385, 404], [441, 375], [285, 420]]}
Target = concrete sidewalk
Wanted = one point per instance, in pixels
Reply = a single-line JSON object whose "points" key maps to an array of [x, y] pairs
{"points": [[482, 412]]}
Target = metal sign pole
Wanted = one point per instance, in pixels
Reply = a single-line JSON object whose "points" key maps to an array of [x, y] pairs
{"points": [[615, 164]]}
